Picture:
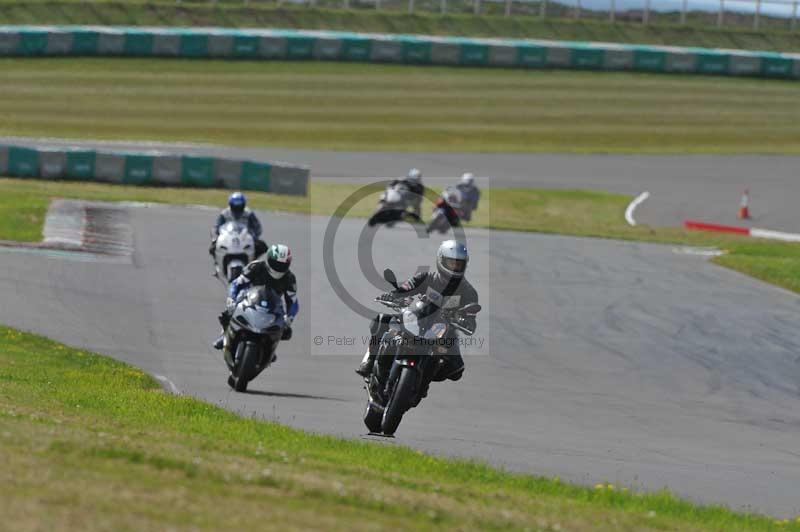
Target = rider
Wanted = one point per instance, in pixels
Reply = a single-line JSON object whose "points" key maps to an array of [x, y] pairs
{"points": [[449, 286], [274, 273], [451, 204], [470, 195], [413, 181], [237, 211]]}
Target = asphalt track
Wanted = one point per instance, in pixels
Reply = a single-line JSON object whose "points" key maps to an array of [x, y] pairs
{"points": [[603, 360], [706, 187]]}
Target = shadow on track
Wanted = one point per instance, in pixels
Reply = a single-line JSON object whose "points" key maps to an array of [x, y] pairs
{"points": [[292, 395]]}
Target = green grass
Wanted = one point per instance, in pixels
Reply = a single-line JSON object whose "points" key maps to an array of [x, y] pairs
{"points": [[391, 107], [88, 443], [23, 204], [664, 29]]}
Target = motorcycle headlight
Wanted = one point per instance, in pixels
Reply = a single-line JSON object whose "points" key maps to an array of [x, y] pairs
{"points": [[436, 331]]}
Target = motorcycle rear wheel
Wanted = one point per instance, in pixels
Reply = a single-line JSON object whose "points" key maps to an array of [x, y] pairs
{"points": [[399, 402]]}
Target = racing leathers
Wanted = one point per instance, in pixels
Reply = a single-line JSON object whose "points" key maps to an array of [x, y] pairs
{"points": [[456, 292], [470, 196], [416, 189], [257, 273], [449, 212], [253, 226]]}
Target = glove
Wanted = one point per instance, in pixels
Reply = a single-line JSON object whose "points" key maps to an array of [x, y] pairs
{"points": [[229, 303], [287, 333], [388, 296], [224, 319]]}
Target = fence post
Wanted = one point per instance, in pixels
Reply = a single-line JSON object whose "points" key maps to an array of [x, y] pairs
{"points": [[477, 10], [346, 3], [757, 15], [612, 12], [720, 13], [508, 8], [410, 7], [543, 8], [578, 10], [646, 14], [794, 15], [443, 6], [683, 12], [377, 5]]}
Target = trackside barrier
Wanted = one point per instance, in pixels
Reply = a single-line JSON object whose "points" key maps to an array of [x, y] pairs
{"points": [[153, 168], [344, 46]]}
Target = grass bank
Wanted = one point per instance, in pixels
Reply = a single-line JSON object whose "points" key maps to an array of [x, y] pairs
{"points": [[662, 30], [89, 443], [394, 107], [23, 205]]}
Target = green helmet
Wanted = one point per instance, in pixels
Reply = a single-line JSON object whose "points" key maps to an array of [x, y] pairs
{"points": [[279, 258]]}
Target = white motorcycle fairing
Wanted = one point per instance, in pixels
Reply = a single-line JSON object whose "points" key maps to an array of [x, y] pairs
{"points": [[235, 249]]}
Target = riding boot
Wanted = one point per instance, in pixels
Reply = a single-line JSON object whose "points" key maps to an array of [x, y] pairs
{"points": [[219, 343], [365, 368]]}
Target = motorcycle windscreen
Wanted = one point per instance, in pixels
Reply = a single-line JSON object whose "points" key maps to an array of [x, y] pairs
{"points": [[236, 228], [264, 309], [411, 322]]}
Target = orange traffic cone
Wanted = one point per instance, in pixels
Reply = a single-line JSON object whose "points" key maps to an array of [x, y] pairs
{"points": [[744, 206]]}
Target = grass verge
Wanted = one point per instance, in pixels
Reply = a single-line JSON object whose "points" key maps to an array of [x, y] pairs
{"points": [[663, 28], [23, 205], [395, 107], [89, 443]]}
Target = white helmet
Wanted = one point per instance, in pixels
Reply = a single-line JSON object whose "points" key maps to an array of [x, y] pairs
{"points": [[414, 176], [453, 197], [468, 178], [452, 259]]}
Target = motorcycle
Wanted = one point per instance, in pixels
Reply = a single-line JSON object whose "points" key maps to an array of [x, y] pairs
{"points": [[253, 334], [416, 345], [234, 249], [447, 211], [393, 206]]}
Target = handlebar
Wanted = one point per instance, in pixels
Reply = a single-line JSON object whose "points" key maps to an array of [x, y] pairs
{"points": [[402, 302]]}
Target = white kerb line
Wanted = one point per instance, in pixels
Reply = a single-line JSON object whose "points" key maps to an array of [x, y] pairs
{"points": [[632, 207], [775, 235], [174, 389]]}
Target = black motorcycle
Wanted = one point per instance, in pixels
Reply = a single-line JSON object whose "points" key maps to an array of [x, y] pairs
{"points": [[393, 206], [252, 335], [415, 347]]}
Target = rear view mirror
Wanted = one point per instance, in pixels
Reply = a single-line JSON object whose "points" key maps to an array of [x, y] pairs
{"points": [[472, 308], [390, 278]]}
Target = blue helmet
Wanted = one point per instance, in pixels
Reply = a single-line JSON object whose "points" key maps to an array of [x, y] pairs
{"points": [[237, 203]]}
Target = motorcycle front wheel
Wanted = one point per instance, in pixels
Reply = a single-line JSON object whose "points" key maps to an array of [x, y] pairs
{"points": [[246, 366], [399, 402], [235, 272]]}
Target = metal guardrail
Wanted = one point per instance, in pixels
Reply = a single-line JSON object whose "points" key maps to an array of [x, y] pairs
{"points": [[683, 14]]}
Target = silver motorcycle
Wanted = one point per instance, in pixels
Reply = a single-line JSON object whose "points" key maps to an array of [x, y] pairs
{"points": [[253, 334]]}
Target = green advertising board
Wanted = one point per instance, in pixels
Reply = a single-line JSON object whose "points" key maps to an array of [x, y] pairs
{"points": [[255, 176], [80, 164], [197, 171], [23, 162], [194, 45], [138, 169], [32, 42]]}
